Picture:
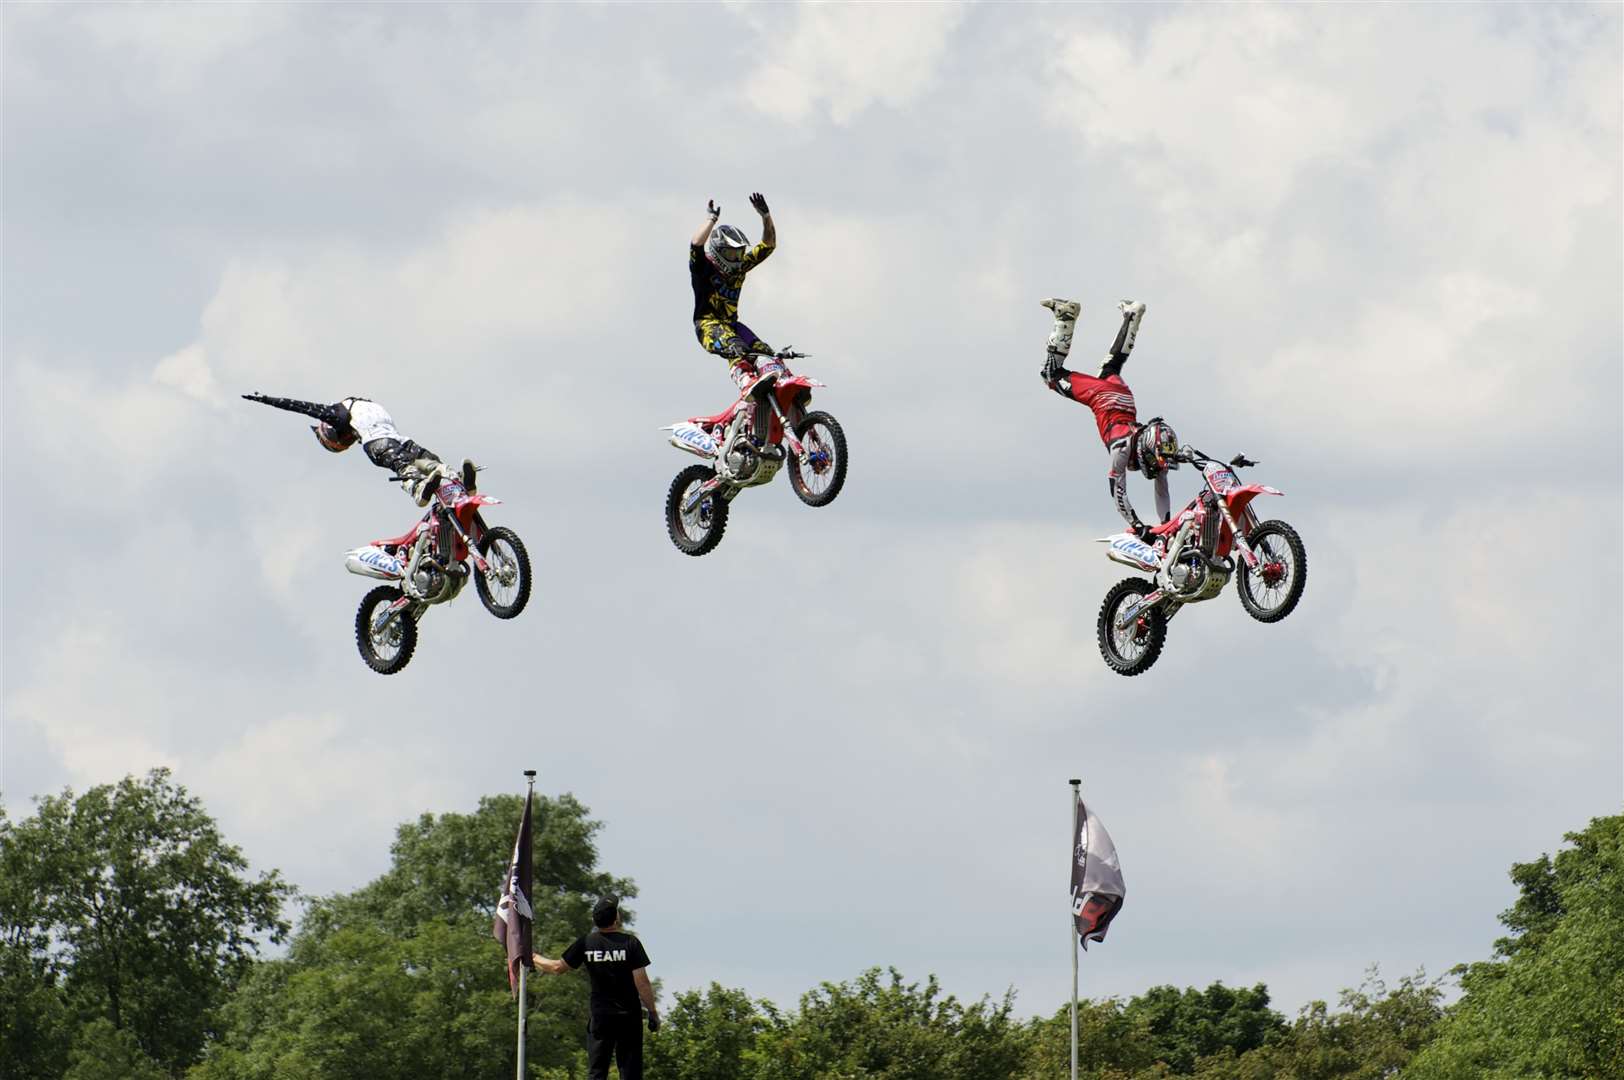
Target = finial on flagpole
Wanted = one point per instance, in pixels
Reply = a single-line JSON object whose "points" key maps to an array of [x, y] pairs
{"points": [[530, 777], [1075, 782]]}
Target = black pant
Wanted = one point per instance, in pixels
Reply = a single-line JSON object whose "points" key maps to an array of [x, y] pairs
{"points": [[620, 1037], [395, 454]]}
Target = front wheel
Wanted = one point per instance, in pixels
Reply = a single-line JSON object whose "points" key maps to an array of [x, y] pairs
{"points": [[1133, 648], [819, 478], [699, 530], [1270, 591], [506, 590], [385, 651]]}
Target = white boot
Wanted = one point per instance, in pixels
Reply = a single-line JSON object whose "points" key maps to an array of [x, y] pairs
{"points": [[1059, 344]]}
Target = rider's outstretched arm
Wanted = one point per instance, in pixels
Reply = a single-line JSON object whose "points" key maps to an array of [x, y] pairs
{"points": [[1164, 506], [769, 233], [331, 414], [712, 212], [1117, 478]]}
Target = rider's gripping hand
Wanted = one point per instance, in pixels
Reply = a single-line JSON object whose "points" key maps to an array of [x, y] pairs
{"points": [[712, 209], [759, 201], [1142, 531]]}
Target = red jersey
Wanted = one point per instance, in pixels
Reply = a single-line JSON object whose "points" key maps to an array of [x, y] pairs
{"points": [[1110, 399]]}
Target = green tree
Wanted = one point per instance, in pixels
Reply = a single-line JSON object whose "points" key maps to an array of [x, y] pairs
{"points": [[1553, 1005], [128, 905], [1189, 1024], [712, 1035], [1373, 1033], [402, 978], [104, 1052], [883, 1028]]}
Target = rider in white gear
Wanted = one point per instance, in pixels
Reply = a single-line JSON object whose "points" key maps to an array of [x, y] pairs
{"points": [[362, 420]]}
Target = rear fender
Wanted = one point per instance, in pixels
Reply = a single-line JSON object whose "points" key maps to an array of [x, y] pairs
{"points": [[374, 562], [1129, 550]]}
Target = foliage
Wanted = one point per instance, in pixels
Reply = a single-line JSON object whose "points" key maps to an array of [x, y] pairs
{"points": [[876, 1027], [1554, 1005], [126, 905], [402, 976]]}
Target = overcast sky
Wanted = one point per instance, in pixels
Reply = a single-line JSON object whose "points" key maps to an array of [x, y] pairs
{"points": [[1380, 245]]}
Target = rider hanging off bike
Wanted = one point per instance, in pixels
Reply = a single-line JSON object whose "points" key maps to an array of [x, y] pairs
{"points": [[719, 257], [362, 420], [1150, 449]]}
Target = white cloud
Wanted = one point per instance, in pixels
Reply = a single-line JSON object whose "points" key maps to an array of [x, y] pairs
{"points": [[846, 57]]}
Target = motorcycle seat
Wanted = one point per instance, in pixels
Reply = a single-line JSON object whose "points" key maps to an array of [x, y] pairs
{"points": [[396, 542], [720, 418]]}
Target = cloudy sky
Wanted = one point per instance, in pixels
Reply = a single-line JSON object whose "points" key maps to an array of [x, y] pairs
{"points": [[1381, 251]]}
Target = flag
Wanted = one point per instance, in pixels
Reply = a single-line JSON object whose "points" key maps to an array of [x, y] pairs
{"points": [[1096, 877], [513, 915]]}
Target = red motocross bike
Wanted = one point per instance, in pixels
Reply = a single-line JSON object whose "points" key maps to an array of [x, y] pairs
{"points": [[1190, 560], [429, 564], [745, 445]]}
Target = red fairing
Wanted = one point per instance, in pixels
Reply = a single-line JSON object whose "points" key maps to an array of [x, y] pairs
{"points": [[1241, 497], [1112, 402]]}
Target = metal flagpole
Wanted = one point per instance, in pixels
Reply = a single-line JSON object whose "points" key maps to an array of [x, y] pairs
{"points": [[530, 778], [1071, 925]]}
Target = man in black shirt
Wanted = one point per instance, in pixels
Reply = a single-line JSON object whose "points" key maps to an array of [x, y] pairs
{"points": [[617, 965]]}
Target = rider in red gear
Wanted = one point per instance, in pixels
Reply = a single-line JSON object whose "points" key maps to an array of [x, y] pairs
{"points": [[1149, 449]]}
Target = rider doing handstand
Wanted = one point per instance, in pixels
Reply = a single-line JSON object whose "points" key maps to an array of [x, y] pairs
{"points": [[719, 257], [1150, 449], [356, 419]]}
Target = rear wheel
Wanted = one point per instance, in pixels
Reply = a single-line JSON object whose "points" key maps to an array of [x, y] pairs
{"points": [[698, 530], [1133, 648], [1270, 591], [506, 591], [385, 651], [819, 478]]}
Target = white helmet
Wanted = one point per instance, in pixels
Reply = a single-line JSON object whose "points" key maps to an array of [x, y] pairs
{"points": [[726, 247]]}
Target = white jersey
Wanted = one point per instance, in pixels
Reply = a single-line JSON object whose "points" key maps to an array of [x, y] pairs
{"points": [[370, 421]]}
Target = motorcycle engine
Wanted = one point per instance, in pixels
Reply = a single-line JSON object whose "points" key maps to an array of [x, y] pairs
{"points": [[742, 460], [429, 581], [1189, 573]]}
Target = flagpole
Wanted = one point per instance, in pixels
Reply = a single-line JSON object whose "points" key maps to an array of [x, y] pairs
{"points": [[1071, 925], [524, 964]]}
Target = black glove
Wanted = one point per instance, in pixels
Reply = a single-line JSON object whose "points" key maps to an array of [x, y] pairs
{"points": [[759, 201], [653, 1022], [1142, 531], [712, 209]]}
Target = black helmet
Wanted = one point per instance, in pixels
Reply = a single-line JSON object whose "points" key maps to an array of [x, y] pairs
{"points": [[333, 438]]}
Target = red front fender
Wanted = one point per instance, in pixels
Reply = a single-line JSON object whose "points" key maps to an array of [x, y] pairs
{"points": [[1240, 498]]}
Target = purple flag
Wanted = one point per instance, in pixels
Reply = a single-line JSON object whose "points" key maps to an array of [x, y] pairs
{"points": [[1096, 877], [513, 915]]}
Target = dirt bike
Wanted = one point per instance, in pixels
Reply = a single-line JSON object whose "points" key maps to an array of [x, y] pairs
{"points": [[744, 446], [429, 564], [1189, 558]]}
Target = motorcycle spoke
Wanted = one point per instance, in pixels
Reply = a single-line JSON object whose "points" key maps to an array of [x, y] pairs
{"points": [[503, 583]]}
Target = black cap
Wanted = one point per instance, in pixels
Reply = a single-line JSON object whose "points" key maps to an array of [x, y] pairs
{"points": [[606, 911]]}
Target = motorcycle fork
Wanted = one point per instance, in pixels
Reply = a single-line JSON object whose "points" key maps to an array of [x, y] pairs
{"points": [[1246, 551], [473, 553], [789, 428]]}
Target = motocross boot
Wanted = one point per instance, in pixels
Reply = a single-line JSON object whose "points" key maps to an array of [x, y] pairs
{"points": [[421, 484], [1133, 312], [470, 473], [1059, 344]]}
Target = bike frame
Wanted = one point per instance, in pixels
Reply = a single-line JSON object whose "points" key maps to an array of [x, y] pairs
{"points": [[1231, 500], [783, 394], [454, 505]]}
